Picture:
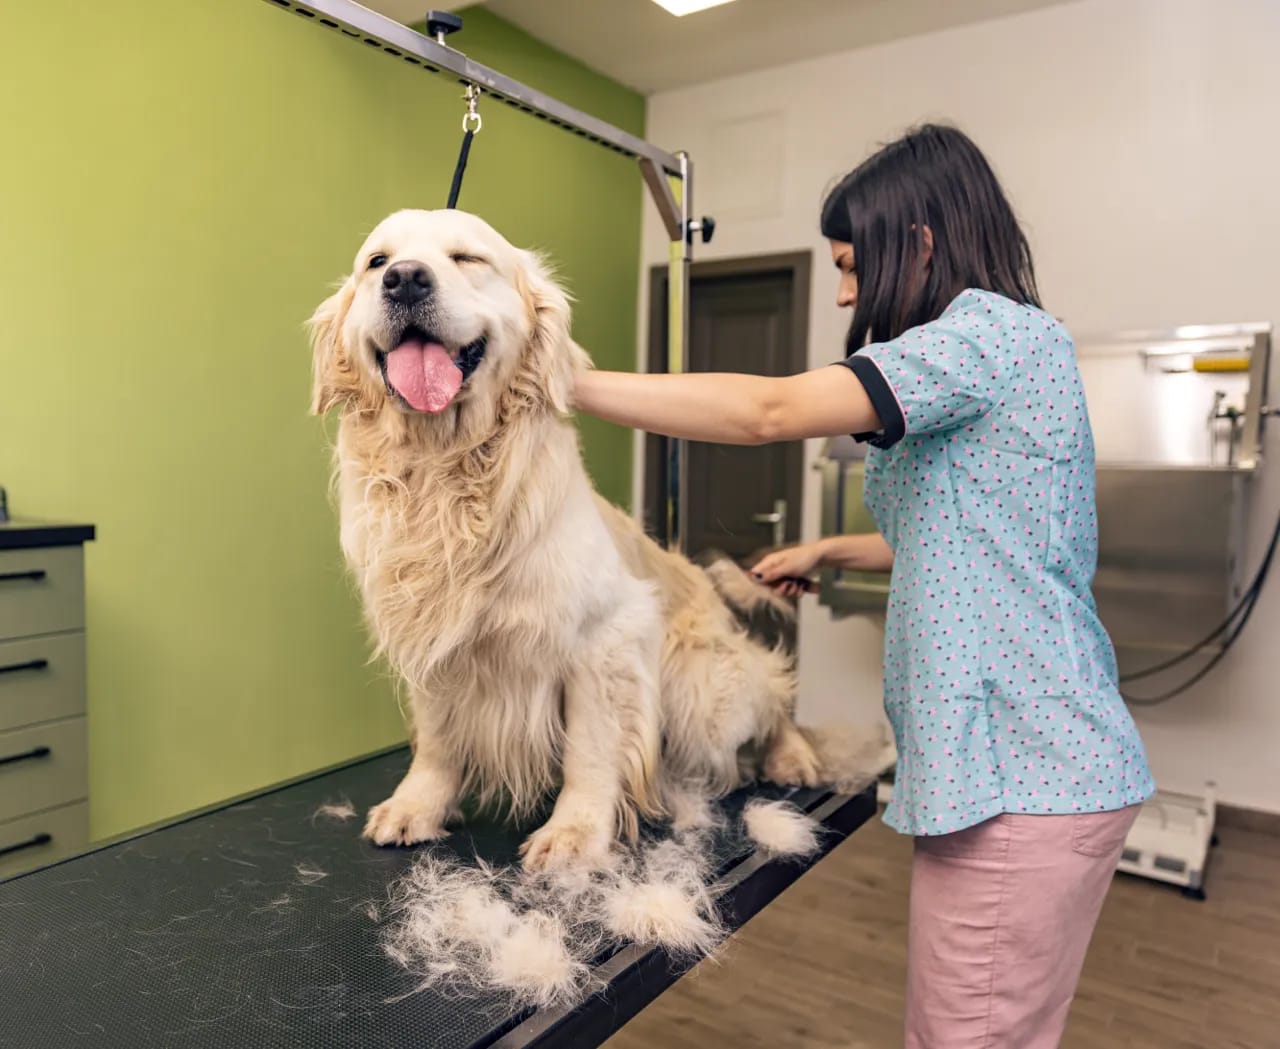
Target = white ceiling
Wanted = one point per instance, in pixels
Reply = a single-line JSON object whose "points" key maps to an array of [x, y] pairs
{"points": [[639, 44]]}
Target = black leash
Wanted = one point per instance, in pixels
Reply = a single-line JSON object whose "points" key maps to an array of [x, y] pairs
{"points": [[460, 169], [471, 125]]}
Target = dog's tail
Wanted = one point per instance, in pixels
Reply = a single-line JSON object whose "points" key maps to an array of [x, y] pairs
{"points": [[739, 590], [767, 616], [851, 757]]}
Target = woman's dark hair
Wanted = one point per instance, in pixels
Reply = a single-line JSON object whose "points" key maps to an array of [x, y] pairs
{"points": [[933, 176]]}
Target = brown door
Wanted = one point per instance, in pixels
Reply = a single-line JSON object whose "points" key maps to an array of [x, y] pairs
{"points": [[747, 315]]}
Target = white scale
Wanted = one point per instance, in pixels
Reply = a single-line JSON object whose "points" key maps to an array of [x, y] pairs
{"points": [[1171, 839]]}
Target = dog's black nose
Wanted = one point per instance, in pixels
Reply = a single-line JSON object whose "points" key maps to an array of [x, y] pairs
{"points": [[407, 282]]}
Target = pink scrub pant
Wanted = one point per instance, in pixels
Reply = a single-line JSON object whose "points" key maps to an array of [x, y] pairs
{"points": [[1001, 917]]}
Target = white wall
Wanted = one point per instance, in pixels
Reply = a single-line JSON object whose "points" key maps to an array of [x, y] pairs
{"points": [[1139, 140]]}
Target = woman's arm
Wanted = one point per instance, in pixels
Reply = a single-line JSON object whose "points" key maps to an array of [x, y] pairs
{"points": [[858, 553], [729, 408]]}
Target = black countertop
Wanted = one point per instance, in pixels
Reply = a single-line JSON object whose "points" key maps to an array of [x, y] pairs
{"points": [[165, 939], [22, 533]]}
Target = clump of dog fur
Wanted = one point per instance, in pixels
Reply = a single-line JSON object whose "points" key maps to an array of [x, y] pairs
{"points": [[529, 939], [780, 828], [458, 929]]}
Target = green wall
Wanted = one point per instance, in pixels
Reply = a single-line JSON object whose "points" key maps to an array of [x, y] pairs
{"points": [[181, 183]]}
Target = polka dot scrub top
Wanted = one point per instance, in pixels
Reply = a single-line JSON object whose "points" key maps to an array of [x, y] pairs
{"points": [[1000, 681]]}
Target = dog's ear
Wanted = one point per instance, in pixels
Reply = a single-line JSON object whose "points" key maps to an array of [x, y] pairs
{"points": [[553, 359], [333, 381]]}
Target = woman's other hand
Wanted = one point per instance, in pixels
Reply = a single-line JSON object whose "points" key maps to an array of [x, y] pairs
{"points": [[785, 570]]}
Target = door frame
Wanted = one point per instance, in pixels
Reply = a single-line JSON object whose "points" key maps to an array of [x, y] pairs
{"points": [[654, 465]]}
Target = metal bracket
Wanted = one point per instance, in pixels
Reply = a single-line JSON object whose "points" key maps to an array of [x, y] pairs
{"points": [[400, 42], [655, 177]]}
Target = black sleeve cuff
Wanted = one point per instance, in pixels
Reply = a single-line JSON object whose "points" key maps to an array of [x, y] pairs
{"points": [[893, 426]]}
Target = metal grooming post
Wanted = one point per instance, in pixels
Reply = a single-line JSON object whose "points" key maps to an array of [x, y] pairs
{"points": [[669, 176]]}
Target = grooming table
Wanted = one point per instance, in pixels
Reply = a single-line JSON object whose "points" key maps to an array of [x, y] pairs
{"points": [[179, 936]]}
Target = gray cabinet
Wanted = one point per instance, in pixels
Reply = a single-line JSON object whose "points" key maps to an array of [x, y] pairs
{"points": [[44, 760]]}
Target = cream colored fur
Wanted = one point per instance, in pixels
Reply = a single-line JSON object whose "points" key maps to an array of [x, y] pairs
{"points": [[542, 638]]}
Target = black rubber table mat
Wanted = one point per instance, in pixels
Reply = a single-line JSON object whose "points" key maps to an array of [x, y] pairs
{"points": [[221, 931]]}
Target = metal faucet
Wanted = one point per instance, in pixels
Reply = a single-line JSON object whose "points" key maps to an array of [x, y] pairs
{"points": [[1233, 415]]}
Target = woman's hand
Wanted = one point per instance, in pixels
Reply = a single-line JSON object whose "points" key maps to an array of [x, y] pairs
{"points": [[785, 570]]}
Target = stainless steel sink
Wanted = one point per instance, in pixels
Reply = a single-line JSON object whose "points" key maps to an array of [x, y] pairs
{"points": [[1173, 483]]}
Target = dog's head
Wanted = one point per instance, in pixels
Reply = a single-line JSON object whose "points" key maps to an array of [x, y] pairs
{"points": [[443, 319]]}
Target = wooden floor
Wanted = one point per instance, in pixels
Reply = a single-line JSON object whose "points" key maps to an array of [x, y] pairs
{"points": [[823, 967]]}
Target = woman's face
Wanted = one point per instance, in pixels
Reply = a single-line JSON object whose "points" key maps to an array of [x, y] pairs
{"points": [[842, 256]]}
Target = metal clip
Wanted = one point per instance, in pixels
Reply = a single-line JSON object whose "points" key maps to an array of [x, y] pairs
{"points": [[471, 123]]}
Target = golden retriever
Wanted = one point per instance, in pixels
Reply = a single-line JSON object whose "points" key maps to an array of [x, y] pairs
{"points": [[542, 638]]}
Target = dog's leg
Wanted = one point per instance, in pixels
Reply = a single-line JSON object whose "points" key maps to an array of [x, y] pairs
{"points": [[426, 798], [612, 747]]}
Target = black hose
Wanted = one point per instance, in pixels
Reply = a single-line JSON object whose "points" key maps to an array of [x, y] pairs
{"points": [[1208, 639], [1244, 609]]}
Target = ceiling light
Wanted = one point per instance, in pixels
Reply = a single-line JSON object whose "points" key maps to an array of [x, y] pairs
{"points": [[688, 7]]}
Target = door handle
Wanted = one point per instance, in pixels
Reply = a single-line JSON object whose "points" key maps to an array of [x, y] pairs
{"points": [[778, 519]]}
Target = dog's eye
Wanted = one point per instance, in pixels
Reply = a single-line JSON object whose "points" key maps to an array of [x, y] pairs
{"points": [[377, 261], [463, 259]]}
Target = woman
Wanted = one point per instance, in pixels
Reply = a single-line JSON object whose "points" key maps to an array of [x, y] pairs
{"points": [[1020, 770]]}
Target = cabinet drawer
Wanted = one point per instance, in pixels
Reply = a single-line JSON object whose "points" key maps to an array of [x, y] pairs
{"points": [[33, 841], [41, 679], [43, 766], [41, 590]]}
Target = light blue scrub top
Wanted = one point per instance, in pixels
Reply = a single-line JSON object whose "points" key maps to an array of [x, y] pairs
{"points": [[1000, 681]]}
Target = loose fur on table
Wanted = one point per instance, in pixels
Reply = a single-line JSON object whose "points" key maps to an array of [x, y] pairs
{"points": [[335, 810], [529, 938], [309, 874], [664, 899], [457, 929], [780, 828]]}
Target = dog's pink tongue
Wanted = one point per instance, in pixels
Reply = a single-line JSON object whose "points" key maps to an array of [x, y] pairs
{"points": [[424, 375]]}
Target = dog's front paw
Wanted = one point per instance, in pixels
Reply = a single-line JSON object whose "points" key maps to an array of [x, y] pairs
{"points": [[791, 762], [582, 844], [404, 821]]}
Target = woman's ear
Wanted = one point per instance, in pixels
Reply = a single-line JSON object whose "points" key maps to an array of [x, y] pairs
{"points": [[926, 244], [333, 382]]}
